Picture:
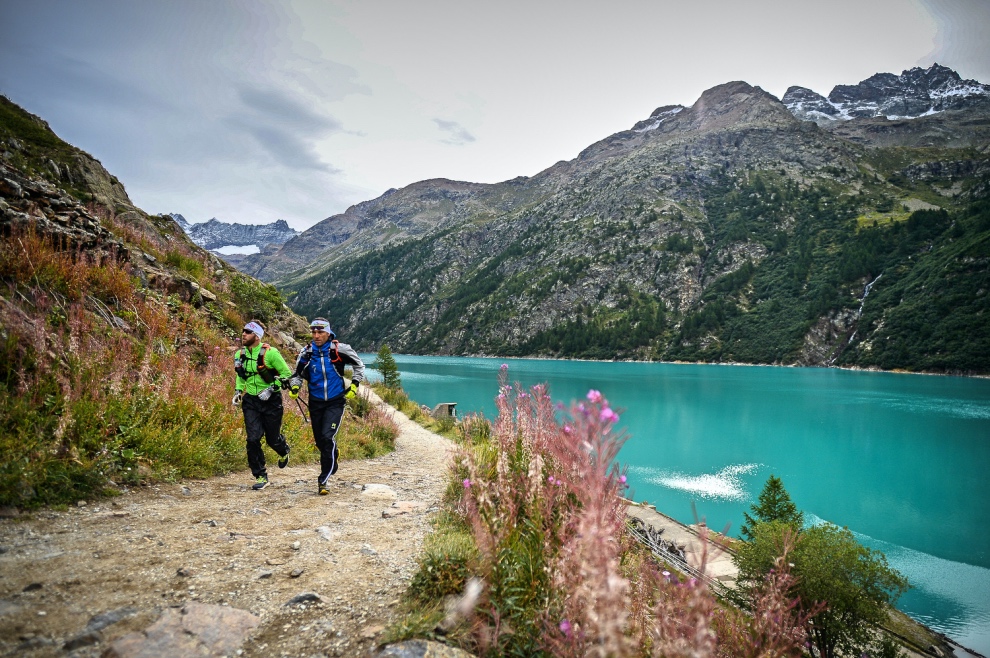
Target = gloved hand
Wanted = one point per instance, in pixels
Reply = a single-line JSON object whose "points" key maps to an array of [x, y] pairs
{"points": [[237, 398], [294, 385], [352, 391]]}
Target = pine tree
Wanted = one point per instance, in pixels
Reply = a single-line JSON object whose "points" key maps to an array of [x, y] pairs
{"points": [[385, 365], [774, 505]]}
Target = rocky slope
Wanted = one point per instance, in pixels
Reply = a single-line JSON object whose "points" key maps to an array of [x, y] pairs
{"points": [[54, 190]]}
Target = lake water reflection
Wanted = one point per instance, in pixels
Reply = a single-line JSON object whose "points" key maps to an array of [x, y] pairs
{"points": [[901, 460]]}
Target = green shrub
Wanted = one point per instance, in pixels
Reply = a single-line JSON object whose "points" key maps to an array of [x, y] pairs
{"points": [[184, 263], [255, 299], [444, 567]]}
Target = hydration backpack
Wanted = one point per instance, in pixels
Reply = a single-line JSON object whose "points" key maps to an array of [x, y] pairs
{"points": [[266, 373]]}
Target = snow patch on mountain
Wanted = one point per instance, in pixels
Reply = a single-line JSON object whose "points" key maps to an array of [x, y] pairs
{"points": [[659, 115]]}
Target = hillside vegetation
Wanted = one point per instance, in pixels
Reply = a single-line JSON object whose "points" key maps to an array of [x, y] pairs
{"points": [[728, 232], [116, 333]]}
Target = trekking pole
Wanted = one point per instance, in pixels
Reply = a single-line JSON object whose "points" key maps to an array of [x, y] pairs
{"points": [[299, 403]]}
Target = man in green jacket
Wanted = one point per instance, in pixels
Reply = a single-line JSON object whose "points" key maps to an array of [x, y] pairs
{"points": [[260, 369]]}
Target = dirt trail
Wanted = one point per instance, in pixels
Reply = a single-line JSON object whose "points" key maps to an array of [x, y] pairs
{"points": [[217, 541]]}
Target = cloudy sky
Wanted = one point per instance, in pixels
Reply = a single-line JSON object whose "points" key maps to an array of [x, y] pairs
{"points": [[253, 110]]}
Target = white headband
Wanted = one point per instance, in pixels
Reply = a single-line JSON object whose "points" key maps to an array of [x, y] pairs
{"points": [[256, 328]]}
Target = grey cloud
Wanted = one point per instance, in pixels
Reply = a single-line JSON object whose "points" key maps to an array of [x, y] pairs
{"points": [[283, 126], [275, 105], [457, 135]]}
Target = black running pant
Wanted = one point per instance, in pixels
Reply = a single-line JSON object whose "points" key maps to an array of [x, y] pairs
{"points": [[325, 416], [263, 418]]}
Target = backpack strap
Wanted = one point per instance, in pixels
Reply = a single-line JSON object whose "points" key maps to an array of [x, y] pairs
{"points": [[239, 364], [267, 374]]}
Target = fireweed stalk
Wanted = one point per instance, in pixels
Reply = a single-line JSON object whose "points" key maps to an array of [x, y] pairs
{"points": [[543, 503]]}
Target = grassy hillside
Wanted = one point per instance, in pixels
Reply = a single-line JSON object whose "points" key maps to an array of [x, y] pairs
{"points": [[116, 334]]}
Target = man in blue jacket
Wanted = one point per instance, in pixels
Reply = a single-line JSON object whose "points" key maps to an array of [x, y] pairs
{"points": [[321, 364]]}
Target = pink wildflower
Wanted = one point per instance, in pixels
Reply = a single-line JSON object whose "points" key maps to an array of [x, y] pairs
{"points": [[565, 627], [504, 366], [622, 479], [567, 429], [594, 396], [609, 416], [467, 483]]}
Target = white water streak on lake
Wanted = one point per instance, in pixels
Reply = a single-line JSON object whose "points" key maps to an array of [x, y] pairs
{"points": [[726, 484], [932, 406], [966, 586]]}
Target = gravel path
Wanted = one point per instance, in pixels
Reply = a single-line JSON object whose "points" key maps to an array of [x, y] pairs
{"points": [[216, 541]]}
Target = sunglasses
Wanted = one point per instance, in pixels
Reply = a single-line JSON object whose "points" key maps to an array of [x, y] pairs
{"points": [[247, 331]]}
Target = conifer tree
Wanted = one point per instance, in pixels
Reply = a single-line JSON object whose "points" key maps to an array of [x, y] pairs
{"points": [[774, 504], [385, 365]]}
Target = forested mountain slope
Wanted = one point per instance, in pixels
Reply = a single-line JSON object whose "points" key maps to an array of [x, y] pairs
{"points": [[730, 231]]}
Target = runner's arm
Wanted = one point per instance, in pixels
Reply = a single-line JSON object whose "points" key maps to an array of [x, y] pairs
{"points": [[348, 355]]}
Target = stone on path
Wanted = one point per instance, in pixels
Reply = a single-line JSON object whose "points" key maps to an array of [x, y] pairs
{"points": [[198, 629], [305, 597], [421, 649], [379, 492]]}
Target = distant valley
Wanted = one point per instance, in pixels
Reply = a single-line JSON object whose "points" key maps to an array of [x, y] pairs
{"points": [[218, 236]]}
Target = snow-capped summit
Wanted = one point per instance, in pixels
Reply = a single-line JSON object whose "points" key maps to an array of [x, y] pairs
{"points": [[914, 93], [216, 234]]}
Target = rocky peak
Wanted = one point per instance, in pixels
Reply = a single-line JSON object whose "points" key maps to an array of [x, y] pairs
{"points": [[734, 104], [915, 92]]}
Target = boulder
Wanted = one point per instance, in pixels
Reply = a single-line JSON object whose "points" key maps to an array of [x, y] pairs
{"points": [[198, 629]]}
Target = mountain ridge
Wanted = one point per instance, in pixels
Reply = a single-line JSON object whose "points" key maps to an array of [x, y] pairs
{"points": [[215, 234], [914, 93], [728, 231]]}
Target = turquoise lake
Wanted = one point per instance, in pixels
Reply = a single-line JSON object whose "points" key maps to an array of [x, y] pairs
{"points": [[901, 460]]}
